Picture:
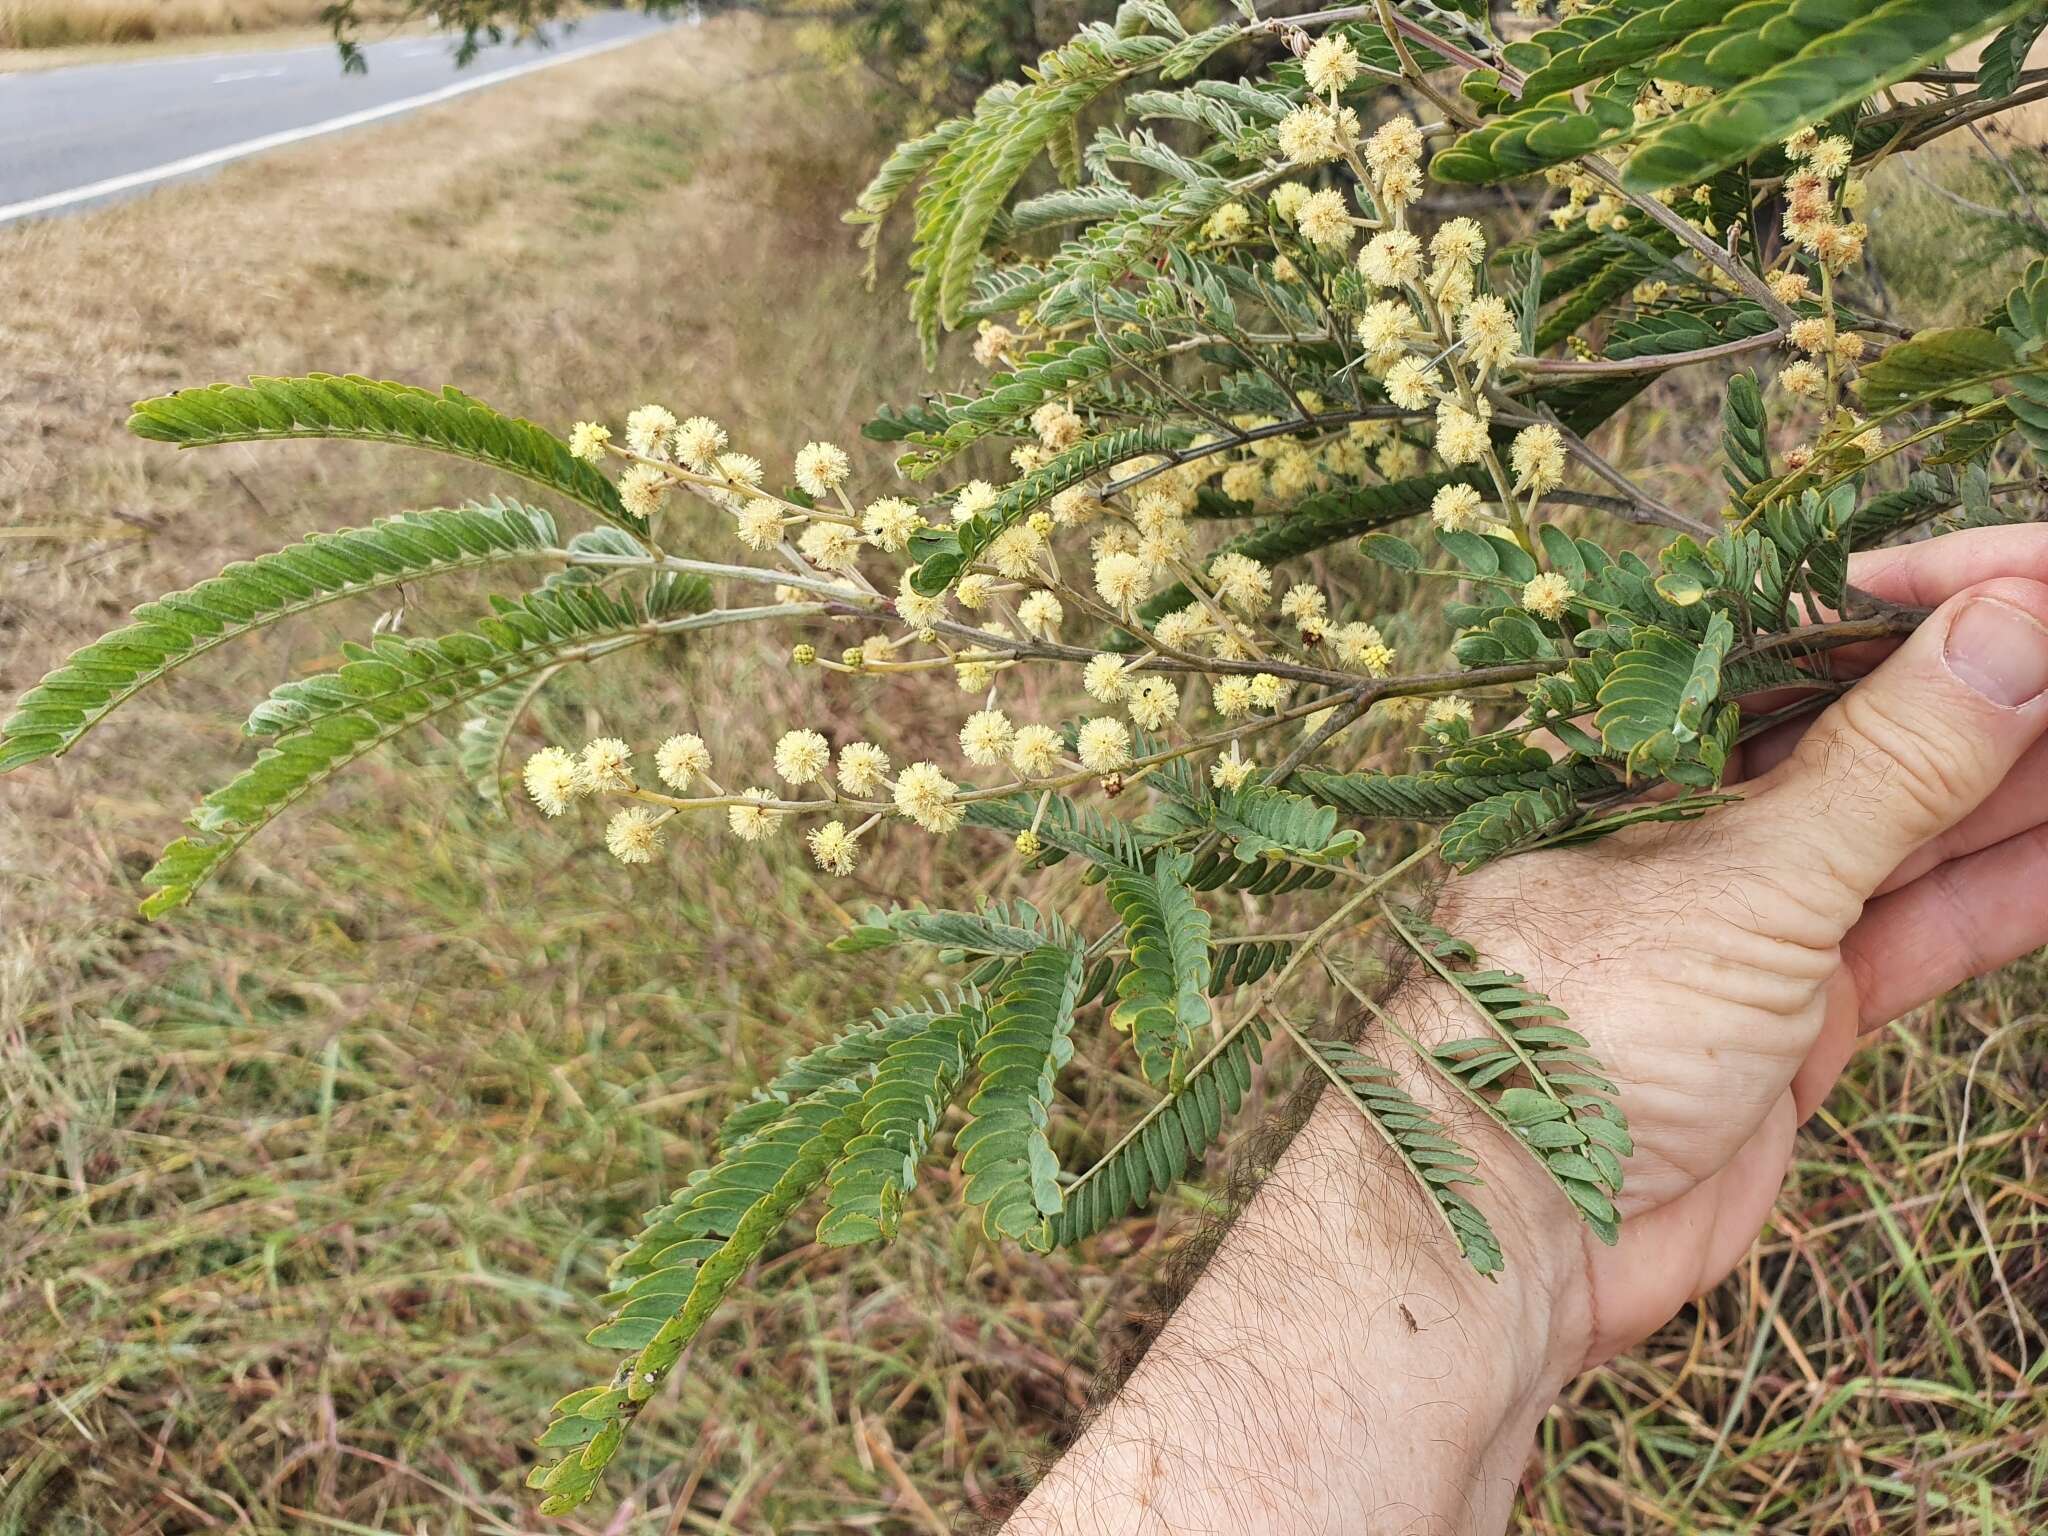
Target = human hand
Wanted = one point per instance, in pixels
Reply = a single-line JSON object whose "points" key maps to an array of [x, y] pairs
{"points": [[1883, 852], [1336, 1366]]}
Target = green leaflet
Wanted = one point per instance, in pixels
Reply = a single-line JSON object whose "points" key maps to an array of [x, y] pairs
{"points": [[1745, 434], [1000, 929], [894, 177], [1262, 824], [1891, 513], [94, 681], [1959, 364], [1010, 1167], [1162, 997], [899, 1112], [1825, 56], [392, 679], [2026, 332], [1153, 1154], [324, 405], [1999, 66], [671, 1282], [1805, 553], [1466, 779], [1067, 205], [324, 723], [1433, 1161], [1505, 824], [1652, 336], [1655, 701], [1068, 827], [1774, 68], [969, 167], [1529, 1072], [842, 1063], [1008, 398]]}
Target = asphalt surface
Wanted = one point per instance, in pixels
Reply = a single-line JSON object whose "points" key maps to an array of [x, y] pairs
{"points": [[73, 138]]}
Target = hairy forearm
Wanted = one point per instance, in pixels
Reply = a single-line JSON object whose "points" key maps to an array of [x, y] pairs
{"points": [[1337, 1368]]}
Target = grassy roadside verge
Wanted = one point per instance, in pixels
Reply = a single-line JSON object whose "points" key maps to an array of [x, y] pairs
{"points": [[308, 1196], [35, 25], [18, 61]]}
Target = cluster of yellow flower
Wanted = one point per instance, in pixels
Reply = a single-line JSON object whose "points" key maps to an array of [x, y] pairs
{"points": [[1820, 201], [803, 760], [1431, 338], [1434, 341], [1812, 215], [1015, 599]]}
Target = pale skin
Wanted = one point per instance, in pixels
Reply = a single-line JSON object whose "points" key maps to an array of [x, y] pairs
{"points": [[1336, 1368]]}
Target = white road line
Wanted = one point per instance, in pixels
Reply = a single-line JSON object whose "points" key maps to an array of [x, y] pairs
{"points": [[248, 74], [54, 200]]}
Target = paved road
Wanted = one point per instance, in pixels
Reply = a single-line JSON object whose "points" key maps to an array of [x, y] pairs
{"points": [[70, 138]]}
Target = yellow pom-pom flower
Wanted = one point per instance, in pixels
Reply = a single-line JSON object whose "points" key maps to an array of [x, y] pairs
{"points": [[552, 780], [633, 835], [1103, 744], [863, 767], [682, 760], [986, 738], [752, 820], [1538, 458], [605, 766], [802, 756], [821, 468], [1330, 64], [1547, 594], [835, 848], [699, 441], [925, 796], [1036, 752], [648, 430]]}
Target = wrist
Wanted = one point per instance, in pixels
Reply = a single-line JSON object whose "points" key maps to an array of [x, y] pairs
{"points": [[1486, 1356], [1337, 1366]]}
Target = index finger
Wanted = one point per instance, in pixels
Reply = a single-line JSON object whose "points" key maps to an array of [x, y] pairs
{"points": [[1929, 573]]}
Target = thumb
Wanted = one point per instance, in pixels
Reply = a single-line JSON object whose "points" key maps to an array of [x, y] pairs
{"points": [[1909, 751]]}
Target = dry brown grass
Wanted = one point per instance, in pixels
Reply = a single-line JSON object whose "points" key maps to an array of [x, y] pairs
{"points": [[76, 23]]}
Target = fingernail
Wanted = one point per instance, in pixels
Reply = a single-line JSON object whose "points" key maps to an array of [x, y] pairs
{"points": [[2000, 651]]}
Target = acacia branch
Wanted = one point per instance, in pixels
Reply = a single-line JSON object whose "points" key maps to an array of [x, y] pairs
{"points": [[1659, 363], [1694, 241]]}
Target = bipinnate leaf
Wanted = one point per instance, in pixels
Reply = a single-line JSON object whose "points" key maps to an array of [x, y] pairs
{"points": [[668, 1285], [899, 1112], [1434, 1162], [94, 681], [327, 405], [1162, 996], [1011, 1170], [1529, 1071], [1655, 701], [321, 724], [1155, 1152]]}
